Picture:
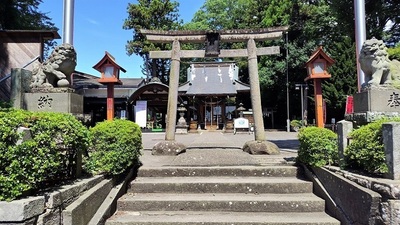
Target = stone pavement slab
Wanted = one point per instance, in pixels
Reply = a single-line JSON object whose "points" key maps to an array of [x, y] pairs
{"points": [[284, 140], [219, 149]]}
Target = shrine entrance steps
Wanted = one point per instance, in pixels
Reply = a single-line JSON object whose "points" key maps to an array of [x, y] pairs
{"points": [[267, 193]]}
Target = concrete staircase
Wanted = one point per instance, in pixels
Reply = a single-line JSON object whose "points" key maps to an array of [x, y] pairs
{"points": [[239, 195]]}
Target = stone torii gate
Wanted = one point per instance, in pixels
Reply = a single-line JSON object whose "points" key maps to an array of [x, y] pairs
{"points": [[211, 40]]}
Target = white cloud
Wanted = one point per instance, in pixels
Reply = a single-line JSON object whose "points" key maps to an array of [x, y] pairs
{"points": [[92, 21]]}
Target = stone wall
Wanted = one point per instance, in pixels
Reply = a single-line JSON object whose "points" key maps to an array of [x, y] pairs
{"points": [[355, 199], [387, 210], [87, 201]]}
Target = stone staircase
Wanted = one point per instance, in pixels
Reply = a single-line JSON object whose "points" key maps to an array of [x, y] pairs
{"points": [[239, 195]]}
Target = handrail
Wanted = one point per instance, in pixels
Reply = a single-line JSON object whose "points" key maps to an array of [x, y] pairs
{"points": [[30, 62]]}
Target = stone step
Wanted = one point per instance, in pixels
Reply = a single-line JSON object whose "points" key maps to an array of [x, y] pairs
{"points": [[276, 185], [219, 218], [276, 160], [222, 202], [259, 171]]}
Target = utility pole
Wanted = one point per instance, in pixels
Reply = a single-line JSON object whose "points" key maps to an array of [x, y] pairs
{"points": [[68, 26], [359, 12], [287, 84]]}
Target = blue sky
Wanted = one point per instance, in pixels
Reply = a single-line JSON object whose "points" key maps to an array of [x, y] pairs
{"points": [[98, 28]]}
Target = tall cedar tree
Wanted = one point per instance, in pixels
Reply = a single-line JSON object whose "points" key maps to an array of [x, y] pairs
{"points": [[152, 15], [341, 84]]}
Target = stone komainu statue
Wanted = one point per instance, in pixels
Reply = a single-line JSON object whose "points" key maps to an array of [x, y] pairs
{"points": [[56, 70], [378, 68]]}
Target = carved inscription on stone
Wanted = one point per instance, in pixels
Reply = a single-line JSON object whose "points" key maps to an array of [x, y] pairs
{"points": [[44, 101], [394, 100]]}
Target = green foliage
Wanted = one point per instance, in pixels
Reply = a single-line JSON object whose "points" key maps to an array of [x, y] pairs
{"points": [[151, 15], [394, 53], [378, 13], [318, 146], [366, 151], [48, 157], [4, 105], [343, 82], [115, 146]]}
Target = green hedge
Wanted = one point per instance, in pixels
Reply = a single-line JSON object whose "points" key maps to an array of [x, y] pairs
{"points": [[115, 146], [318, 146], [5, 105], [50, 156], [366, 150]]}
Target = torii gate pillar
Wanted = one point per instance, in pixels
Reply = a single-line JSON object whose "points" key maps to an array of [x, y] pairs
{"points": [[173, 95], [170, 146], [259, 132]]}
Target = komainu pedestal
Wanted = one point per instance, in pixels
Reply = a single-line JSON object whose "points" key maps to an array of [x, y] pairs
{"points": [[65, 102], [373, 103]]}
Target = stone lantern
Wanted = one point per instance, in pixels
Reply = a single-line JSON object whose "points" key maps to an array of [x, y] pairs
{"points": [[240, 109], [181, 126], [109, 70], [317, 69]]}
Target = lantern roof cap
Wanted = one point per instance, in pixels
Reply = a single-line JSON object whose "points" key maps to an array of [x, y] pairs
{"points": [[107, 59], [320, 52]]}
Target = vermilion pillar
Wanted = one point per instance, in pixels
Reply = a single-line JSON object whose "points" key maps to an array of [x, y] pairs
{"points": [[319, 111], [110, 101]]}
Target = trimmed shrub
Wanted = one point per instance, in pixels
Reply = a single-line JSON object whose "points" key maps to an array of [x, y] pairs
{"points": [[115, 147], [318, 146], [5, 105], [296, 125], [366, 151], [49, 157]]}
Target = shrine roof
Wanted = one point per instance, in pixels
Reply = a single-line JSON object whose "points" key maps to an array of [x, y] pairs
{"points": [[45, 34], [83, 80], [212, 79]]}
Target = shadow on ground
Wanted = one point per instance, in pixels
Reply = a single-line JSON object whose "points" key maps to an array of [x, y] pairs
{"points": [[286, 144]]}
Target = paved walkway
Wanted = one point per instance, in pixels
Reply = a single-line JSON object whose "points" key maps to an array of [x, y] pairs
{"points": [[219, 149]]}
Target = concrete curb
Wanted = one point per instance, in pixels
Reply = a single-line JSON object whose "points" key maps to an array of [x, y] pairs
{"points": [[318, 189], [346, 200], [109, 205], [67, 194], [82, 210]]}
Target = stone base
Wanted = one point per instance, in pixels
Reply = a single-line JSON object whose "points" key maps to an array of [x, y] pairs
{"points": [[374, 103], [377, 100], [181, 129], [362, 118], [261, 148], [168, 148], [54, 102]]}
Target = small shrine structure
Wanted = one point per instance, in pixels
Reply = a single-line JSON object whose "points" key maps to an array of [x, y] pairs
{"points": [[211, 91], [109, 70], [317, 69]]}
